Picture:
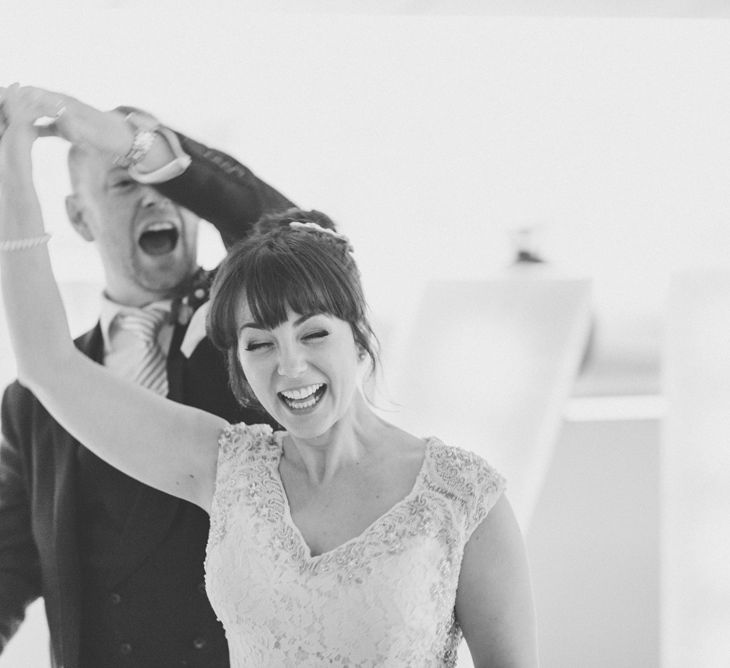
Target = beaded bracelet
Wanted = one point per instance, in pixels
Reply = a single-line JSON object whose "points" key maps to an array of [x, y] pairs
{"points": [[23, 244]]}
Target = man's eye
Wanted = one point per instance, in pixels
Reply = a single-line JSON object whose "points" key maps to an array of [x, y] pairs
{"points": [[124, 183], [251, 347]]}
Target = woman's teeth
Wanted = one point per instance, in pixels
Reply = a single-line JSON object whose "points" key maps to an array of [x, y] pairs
{"points": [[302, 397]]}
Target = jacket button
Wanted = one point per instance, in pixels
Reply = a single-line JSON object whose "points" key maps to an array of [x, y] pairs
{"points": [[199, 643], [125, 648], [115, 599]]}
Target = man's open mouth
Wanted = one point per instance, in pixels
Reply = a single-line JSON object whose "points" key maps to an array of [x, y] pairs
{"points": [[159, 238]]}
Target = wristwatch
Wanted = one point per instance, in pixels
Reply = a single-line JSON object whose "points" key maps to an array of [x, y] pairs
{"points": [[147, 130], [145, 135]]}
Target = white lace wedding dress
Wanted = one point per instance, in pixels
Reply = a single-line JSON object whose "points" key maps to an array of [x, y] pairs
{"points": [[383, 598]]}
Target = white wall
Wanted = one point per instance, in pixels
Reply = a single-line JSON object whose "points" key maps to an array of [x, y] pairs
{"points": [[594, 547], [428, 136]]}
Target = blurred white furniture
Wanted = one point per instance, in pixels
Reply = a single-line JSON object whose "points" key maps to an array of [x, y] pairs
{"points": [[489, 365]]}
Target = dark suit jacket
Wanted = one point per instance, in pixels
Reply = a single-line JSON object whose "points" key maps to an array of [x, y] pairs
{"points": [[38, 473]]}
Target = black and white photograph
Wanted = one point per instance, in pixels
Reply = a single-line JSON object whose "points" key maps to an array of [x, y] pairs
{"points": [[365, 333]]}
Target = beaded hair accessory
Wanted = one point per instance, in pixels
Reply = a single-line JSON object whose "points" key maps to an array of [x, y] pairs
{"points": [[316, 227]]}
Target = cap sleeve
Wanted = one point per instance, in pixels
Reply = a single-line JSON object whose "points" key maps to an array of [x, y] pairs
{"points": [[469, 481], [488, 485], [238, 445]]}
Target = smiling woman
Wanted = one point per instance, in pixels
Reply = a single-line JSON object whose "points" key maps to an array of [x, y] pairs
{"points": [[349, 496], [261, 285]]}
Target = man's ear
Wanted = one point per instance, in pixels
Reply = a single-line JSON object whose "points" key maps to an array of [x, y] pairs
{"points": [[76, 214]]}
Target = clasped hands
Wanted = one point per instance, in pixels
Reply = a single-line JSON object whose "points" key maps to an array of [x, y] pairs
{"points": [[49, 113]]}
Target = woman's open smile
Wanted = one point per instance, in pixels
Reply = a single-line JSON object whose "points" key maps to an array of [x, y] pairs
{"points": [[304, 398]]}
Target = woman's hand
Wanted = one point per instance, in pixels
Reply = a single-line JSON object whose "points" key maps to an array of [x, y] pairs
{"points": [[56, 114], [17, 130]]}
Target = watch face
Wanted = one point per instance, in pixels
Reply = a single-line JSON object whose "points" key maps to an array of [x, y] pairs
{"points": [[141, 144]]}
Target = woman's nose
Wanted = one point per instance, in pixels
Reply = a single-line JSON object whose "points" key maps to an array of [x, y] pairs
{"points": [[291, 363]]}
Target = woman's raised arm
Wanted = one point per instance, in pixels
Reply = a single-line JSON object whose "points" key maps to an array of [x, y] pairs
{"points": [[161, 443]]}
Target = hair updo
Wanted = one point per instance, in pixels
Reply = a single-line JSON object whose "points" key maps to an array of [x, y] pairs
{"points": [[301, 267]]}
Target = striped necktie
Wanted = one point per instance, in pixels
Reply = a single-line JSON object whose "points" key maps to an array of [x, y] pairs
{"points": [[152, 366]]}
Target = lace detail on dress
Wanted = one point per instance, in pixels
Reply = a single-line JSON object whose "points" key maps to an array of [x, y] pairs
{"points": [[238, 445], [467, 479], [383, 598]]}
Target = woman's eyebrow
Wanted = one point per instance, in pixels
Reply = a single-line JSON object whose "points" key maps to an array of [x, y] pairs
{"points": [[257, 325], [252, 325], [304, 318]]}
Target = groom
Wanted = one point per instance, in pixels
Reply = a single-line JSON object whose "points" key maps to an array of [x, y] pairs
{"points": [[120, 565]]}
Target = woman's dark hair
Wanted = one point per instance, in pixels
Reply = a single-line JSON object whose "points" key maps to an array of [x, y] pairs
{"points": [[306, 269]]}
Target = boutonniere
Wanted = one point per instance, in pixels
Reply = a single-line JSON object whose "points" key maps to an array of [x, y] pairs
{"points": [[184, 313], [197, 295]]}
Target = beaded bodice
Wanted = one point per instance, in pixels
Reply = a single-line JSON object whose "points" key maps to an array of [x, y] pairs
{"points": [[383, 598]]}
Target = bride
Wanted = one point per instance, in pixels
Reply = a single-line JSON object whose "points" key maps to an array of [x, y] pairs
{"points": [[340, 540]]}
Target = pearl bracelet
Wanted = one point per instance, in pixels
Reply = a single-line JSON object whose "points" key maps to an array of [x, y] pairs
{"points": [[23, 244]]}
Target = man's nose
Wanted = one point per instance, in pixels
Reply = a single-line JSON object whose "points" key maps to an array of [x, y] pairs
{"points": [[150, 197], [291, 362]]}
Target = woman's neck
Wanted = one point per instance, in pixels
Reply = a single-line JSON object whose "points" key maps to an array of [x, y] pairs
{"points": [[351, 441]]}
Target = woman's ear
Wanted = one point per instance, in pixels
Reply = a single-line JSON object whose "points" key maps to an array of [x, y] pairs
{"points": [[76, 214]]}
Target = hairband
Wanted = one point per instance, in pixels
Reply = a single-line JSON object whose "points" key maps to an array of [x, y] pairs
{"points": [[316, 227]]}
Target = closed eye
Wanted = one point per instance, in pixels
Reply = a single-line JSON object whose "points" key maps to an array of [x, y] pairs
{"points": [[124, 184], [316, 335], [251, 347]]}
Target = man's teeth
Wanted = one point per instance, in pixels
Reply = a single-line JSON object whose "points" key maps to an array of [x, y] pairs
{"points": [[302, 392], [160, 227]]}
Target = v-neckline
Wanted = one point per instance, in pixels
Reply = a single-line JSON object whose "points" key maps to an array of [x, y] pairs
{"points": [[304, 549]]}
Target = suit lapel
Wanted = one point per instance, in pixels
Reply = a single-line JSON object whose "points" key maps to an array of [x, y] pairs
{"points": [[196, 295], [175, 365]]}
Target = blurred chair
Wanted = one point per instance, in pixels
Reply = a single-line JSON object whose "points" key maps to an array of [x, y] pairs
{"points": [[489, 365]]}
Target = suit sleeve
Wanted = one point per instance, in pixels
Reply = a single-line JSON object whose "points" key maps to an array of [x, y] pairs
{"points": [[221, 190], [20, 577]]}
